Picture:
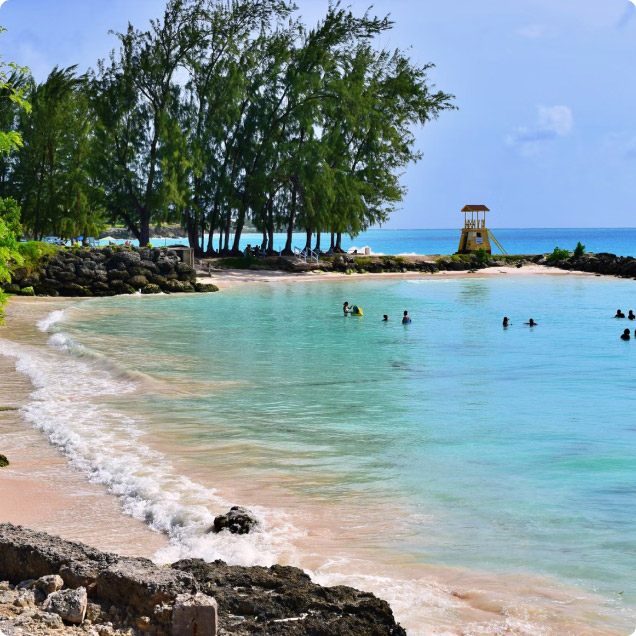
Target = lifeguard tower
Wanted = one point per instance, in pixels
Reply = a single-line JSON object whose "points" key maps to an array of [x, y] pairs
{"points": [[475, 234]]}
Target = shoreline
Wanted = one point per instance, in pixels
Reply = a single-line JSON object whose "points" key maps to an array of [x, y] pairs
{"points": [[226, 278], [461, 586]]}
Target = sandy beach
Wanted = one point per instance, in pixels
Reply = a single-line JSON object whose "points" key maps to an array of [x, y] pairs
{"points": [[224, 278]]}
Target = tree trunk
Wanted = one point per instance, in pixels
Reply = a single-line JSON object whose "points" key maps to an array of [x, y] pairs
{"points": [[332, 244], [270, 224], [292, 220], [144, 229], [308, 233], [240, 222], [317, 248], [338, 247]]}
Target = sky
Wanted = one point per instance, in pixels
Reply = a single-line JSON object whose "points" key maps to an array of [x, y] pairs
{"points": [[545, 131]]}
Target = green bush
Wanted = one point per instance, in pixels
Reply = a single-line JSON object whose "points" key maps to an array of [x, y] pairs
{"points": [[558, 255], [579, 250], [32, 251], [482, 255], [27, 291]]}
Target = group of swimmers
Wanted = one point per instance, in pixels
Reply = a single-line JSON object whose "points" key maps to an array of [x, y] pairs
{"points": [[619, 314], [354, 310], [530, 323]]}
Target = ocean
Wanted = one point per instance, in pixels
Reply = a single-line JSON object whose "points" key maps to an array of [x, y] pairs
{"points": [[480, 479], [620, 241]]}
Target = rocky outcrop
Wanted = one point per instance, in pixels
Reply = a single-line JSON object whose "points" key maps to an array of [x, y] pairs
{"points": [[3, 461], [238, 521], [190, 597], [602, 263], [107, 271]]}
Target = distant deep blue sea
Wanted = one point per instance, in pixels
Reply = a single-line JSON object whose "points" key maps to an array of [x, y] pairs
{"points": [[620, 241]]}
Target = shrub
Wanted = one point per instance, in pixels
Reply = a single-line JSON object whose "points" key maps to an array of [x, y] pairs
{"points": [[482, 255], [32, 251], [27, 291], [579, 250], [558, 255]]}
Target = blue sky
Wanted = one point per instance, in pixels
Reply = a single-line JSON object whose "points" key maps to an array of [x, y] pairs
{"points": [[546, 131]]}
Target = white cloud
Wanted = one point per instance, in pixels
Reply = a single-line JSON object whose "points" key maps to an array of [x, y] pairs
{"points": [[552, 122]]}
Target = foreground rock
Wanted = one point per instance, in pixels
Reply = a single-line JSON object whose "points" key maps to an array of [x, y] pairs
{"points": [[107, 271], [238, 521], [133, 596]]}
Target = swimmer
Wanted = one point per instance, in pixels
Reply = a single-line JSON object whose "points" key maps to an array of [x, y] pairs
{"points": [[625, 335], [505, 321], [406, 319], [532, 323], [346, 309], [385, 318], [619, 314], [631, 315]]}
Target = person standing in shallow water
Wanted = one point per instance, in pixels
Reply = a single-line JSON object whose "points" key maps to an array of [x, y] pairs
{"points": [[532, 323], [631, 316], [505, 321], [406, 319], [385, 318], [345, 308], [619, 314], [625, 335]]}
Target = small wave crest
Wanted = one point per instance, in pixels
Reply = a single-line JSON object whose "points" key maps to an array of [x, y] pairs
{"points": [[52, 319]]}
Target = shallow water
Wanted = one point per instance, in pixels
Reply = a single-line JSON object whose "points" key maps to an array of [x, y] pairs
{"points": [[480, 479]]}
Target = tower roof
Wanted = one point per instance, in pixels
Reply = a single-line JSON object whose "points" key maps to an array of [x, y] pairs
{"points": [[475, 208]]}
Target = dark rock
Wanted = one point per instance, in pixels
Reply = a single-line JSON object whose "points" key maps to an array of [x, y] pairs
{"points": [[166, 601], [205, 288], [238, 521], [3, 461], [66, 276], [127, 258], [137, 282], [74, 290], [278, 593], [151, 289], [19, 274], [121, 287], [12, 288]]}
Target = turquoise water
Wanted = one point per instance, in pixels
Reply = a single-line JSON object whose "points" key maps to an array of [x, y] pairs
{"points": [[509, 451], [621, 241]]}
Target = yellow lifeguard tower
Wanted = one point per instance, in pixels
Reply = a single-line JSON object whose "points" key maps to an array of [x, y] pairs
{"points": [[475, 234]]}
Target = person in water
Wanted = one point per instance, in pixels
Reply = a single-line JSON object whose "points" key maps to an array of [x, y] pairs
{"points": [[619, 314], [505, 321], [385, 318], [631, 315], [625, 335], [345, 308], [406, 319], [532, 323]]}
